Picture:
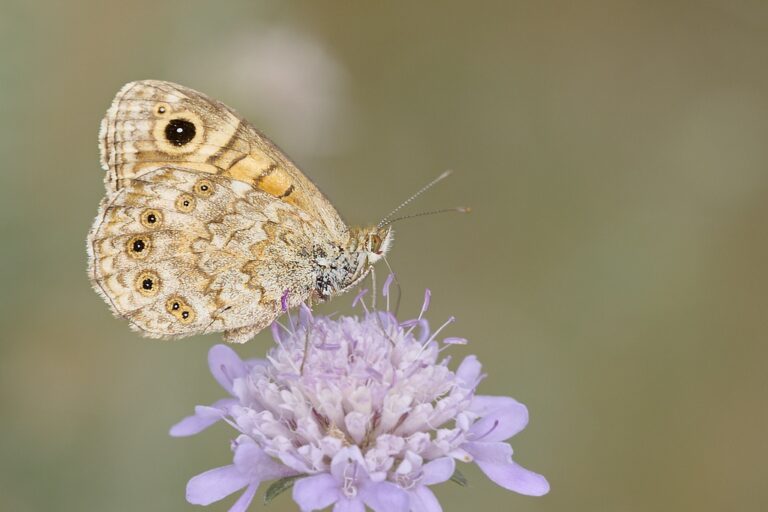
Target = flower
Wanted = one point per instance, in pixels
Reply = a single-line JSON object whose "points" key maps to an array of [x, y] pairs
{"points": [[349, 486], [357, 411], [251, 467]]}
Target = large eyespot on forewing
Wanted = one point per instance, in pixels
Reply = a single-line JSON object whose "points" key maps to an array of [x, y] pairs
{"points": [[180, 131]]}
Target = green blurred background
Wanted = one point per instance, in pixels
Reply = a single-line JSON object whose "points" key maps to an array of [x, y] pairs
{"points": [[612, 276]]}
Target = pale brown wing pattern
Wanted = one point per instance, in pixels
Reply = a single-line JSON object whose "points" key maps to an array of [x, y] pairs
{"points": [[179, 252], [153, 123]]}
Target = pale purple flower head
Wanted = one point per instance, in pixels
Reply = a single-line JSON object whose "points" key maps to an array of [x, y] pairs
{"points": [[371, 417]]}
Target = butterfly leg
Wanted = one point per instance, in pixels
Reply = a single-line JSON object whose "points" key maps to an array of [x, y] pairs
{"points": [[373, 287]]}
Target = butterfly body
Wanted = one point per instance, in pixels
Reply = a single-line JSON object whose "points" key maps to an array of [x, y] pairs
{"points": [[207, 226]]}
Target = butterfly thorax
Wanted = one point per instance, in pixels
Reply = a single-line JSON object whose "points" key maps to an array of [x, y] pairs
{"points": [[344, 267]]}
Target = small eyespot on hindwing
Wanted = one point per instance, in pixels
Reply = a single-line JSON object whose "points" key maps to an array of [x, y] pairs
{"points": [[151, 218], [203, 188], [148, 283], [138, 246], [185, 203]]}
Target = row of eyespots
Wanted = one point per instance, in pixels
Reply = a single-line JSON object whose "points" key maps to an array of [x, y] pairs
{"points": [[138, 246], [148, 284], [177, 307], [185, 203]]}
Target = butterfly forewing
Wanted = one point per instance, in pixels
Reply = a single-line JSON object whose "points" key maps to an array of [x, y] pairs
{"points": [[153, 123]]}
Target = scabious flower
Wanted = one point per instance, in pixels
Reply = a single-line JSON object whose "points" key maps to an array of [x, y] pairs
{"points": [[356, 412]]}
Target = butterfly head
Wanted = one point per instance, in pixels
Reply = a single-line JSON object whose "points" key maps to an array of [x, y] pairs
{"points": [[374, 241], [366, 246]]}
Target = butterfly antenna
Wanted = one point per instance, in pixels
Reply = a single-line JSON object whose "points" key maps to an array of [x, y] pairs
{"points": [[423, 189], [458, 209]]}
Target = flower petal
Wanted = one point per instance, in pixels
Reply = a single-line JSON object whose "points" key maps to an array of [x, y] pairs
{"points": [[225, 366], [349, 505], [489, 452], [251, 460], [469, 371], [424, 500], [387, 283], [516, 478], [495, 460], [346, 456], [245, 499], [192, 425], [385, 497], [196, 423], [502, 418], [297, 463], [215, 484], [357, 425], [316, 492], [254, 362], [486, 404], [438, 471], [427, 298]]}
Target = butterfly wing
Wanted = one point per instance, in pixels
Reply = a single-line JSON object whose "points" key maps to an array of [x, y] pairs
{"points": [[153, 123], [179, 252]]}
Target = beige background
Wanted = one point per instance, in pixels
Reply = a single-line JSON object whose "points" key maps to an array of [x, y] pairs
{"points": [[612, 276]]}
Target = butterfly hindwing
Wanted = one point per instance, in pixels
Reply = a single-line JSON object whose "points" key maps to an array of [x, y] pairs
{"points": [[178, 251]]}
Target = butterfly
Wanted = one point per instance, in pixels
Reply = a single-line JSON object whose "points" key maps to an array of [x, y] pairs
{"points": [[207, 226]]}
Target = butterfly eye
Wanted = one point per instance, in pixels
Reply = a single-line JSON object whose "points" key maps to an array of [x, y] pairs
{"points": [[151, 218], [148, 283], [138, 246], [375, 242], [203, 188], [179, 132], [185, 203]]}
